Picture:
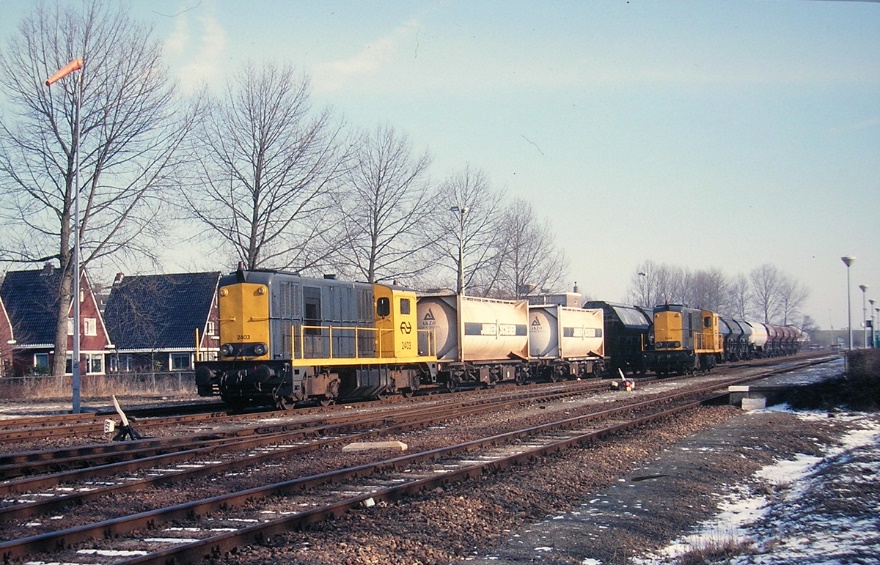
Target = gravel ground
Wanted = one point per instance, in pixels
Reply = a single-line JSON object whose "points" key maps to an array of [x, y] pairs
{"points": [[607, 504], [617, 502]]}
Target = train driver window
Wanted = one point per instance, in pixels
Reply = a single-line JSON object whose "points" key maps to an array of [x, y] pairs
{"points": [[404, 306], [383, 307], [707, 322]]}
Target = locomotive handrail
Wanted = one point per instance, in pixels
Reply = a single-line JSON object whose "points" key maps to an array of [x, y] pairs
{"points": [[377, 339], [300, 340]]}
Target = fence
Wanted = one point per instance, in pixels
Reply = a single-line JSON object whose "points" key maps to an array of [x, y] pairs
{"points": [[178, 383]]}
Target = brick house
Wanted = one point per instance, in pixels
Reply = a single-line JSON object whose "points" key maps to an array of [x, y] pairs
{"points": [[153, 321], [7, 340], [31, 302]]}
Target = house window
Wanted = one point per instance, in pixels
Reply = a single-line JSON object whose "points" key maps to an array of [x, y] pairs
{"points": [[211, 330], [90, 326], [95, 363], [41, 360], [69, 326], [125, 363], [180, 361]]}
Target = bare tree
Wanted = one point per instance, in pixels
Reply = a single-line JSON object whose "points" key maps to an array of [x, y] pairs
{"points": [[670, 283], [467, 230], [265, 169], [766, 291], [707, 289], [643, 284], [740, 297], [385, 202], [532, 260], [792, 296], [128, 136]]}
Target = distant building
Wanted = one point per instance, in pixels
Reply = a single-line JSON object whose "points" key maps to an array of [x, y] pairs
{"points": [[30, 299], [162, 322]]}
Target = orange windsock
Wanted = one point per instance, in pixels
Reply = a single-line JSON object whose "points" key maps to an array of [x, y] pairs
{"points": [[74, 65]]}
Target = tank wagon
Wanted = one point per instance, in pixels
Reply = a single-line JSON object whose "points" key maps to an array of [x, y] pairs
{"points": [[286, 339], [566, 342], [478, 341], [627, 335], [685, 340]]}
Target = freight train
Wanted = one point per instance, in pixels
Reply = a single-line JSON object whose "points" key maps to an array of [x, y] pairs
{"points": [[287, 339]]}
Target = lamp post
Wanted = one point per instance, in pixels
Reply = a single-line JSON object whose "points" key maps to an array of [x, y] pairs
{"points": [[848, 260], [643, 289], [864, 288], [461, 211], [873, 326], [70, 67]]}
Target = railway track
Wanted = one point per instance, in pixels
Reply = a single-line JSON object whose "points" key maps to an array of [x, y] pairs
{"points": [[139, 465], [334, 492]]}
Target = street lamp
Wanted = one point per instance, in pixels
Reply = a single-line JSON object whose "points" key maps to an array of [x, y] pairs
{"points": [[461, 211], [864, 288], [848, 260], [70, 67], [873, 326]]}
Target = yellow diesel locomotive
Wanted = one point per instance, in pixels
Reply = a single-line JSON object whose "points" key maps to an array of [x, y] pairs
{"points": [[685, 340], [287, 339]]}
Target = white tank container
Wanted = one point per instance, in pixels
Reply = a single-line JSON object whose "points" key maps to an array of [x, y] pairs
{"points": [[557, 332], [476, 329]]}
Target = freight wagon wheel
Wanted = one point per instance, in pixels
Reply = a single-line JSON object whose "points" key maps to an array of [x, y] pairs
{"points": [[326, 401], [285, 403], [406, 393]]}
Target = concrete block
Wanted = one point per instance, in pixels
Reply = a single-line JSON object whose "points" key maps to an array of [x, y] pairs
{"points": [[364, 445], [754, 403]]}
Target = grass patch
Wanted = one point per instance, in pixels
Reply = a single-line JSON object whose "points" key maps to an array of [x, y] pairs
{"points": [[46, 388], [716, 551]]}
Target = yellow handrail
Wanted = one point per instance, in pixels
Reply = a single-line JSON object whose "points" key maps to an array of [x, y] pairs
{"points": [[324, 338]]}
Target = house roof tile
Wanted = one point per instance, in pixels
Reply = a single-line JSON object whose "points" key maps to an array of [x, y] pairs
{"points": [[31, 299], [159, 312]]}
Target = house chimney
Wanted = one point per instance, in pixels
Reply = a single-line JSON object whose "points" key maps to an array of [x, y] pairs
{"points": [[118, 279], [48, 268]]}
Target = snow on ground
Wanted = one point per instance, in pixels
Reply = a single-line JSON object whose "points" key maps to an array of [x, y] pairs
{"points": [[805, 510]]}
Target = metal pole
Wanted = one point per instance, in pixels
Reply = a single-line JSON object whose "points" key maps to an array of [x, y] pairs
{"points": [[848, 260], [76, 253], [864, 289], [74, 65], [461, 211]]}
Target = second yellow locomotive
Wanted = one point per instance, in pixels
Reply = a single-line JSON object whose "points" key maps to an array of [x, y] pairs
{"points": [[685, 340]]}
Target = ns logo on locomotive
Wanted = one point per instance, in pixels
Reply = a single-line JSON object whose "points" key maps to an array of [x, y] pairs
{"points": [[287, 339]]}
